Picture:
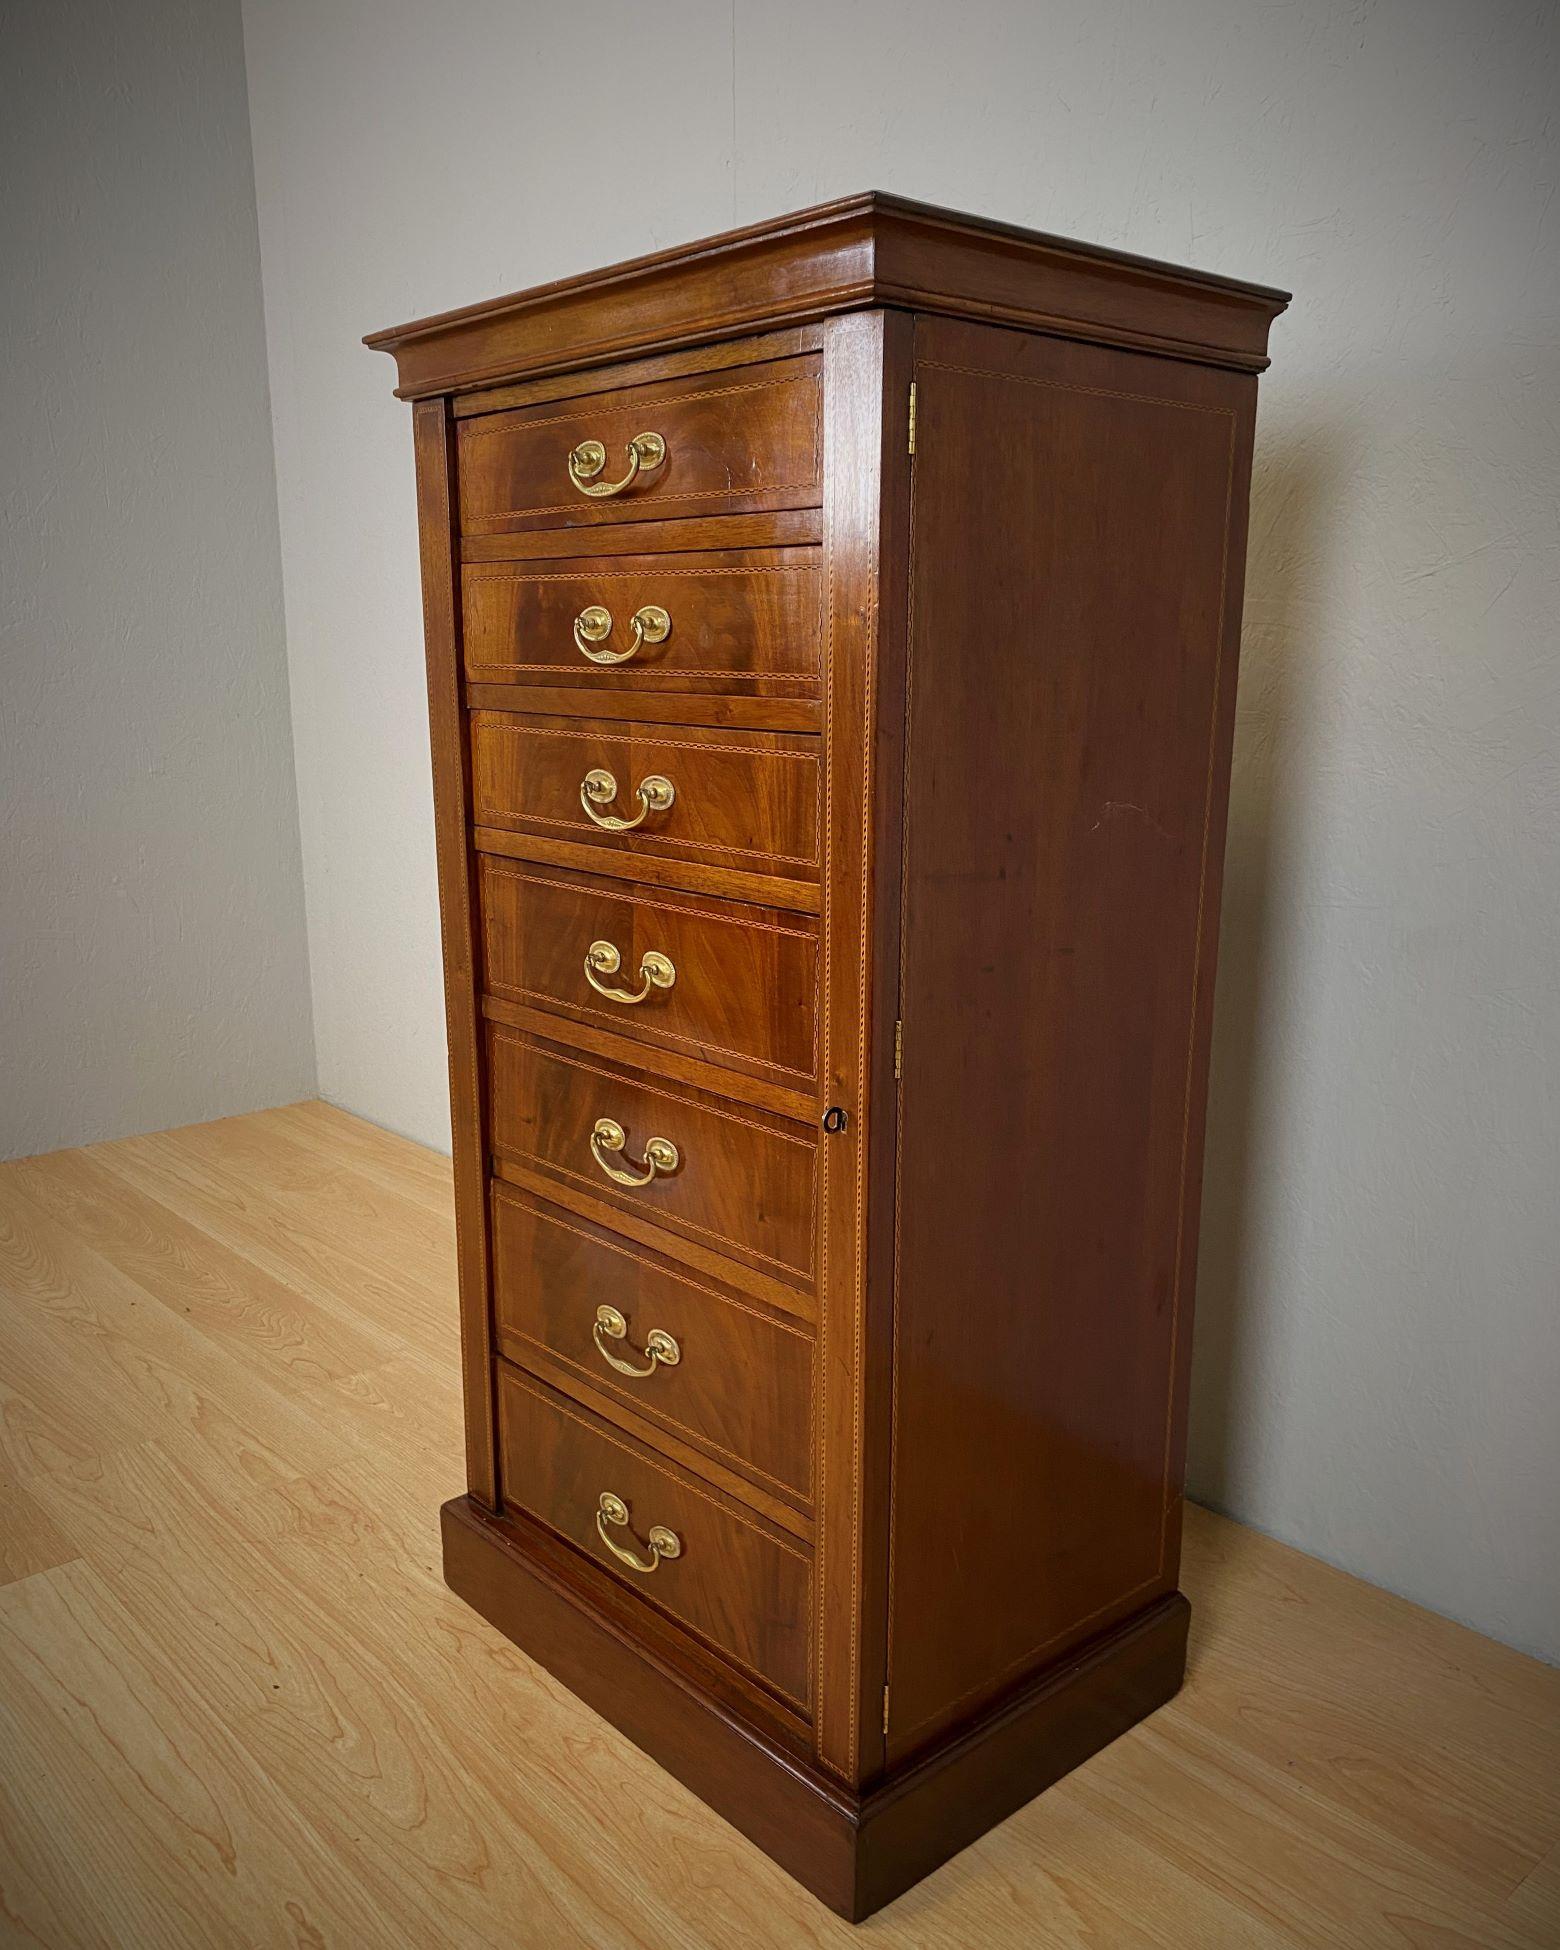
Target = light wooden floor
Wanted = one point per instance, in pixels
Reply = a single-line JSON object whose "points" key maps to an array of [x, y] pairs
{"points": [[237, 1706]]}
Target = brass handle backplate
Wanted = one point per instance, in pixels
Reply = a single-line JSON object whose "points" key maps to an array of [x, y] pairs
{"points": [[599, 788], [646, 451], [660, 1348], [649, 623], [661, 1154], [655, 969], [662, 1542]]}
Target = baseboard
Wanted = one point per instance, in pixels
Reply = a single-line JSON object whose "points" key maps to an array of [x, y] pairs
{"points": [[855, 1852]]}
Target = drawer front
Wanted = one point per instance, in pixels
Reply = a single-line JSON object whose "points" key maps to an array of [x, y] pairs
{"points": [[740, 1383], [746, 622], [742, 440], [742, 1183], [734, 1583], [744, 800], [730, 984]]}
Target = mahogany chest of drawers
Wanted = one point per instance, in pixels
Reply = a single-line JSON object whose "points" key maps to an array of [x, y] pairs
{"points": [[831, 634]]}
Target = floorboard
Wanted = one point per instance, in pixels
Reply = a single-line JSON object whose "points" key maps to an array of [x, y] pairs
{"points": [[237, 1705]]}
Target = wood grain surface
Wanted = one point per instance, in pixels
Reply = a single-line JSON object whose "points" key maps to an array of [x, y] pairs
{"points": [[743, 992], [1075, 594], [735, 443], [238, 1705], [742, 1586], [742, 1386], [749, 618], [746, 800], [546, 1103], [860, 252]]}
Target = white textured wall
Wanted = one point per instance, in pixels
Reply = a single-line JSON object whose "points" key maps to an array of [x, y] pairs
{"points": [[1379, 1343], [152, 949]]}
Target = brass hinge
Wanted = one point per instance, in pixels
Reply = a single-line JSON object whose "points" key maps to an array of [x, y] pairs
{"points": [[885, 1709], [912, 416], [899, 1049]]}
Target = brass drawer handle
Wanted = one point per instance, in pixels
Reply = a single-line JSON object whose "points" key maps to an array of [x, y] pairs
{"points": [[649, 623], [660, 1154], [601, 958], [662, 1542], [645, 450], [659, 1345], [599, 788]]}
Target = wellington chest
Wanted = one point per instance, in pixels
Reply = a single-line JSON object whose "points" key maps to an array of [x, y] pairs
{"points": [[831, 635]]}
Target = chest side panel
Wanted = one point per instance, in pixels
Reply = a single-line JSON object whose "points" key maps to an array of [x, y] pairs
{"points": [[1077, 533]]}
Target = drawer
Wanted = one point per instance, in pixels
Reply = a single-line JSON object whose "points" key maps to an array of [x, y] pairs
{"points": [[742, 440], [743, 621], [712, 979], [736, 1584], [740, 1384], [741, 1183], [741, 799]]}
